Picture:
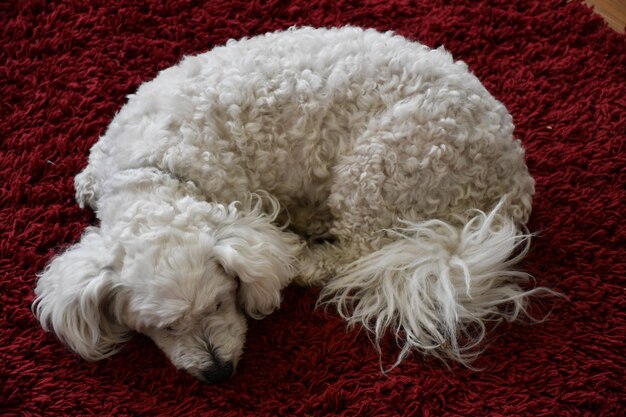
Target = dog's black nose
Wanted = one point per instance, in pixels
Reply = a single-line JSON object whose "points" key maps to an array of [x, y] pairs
{"points": [[218, 372]]}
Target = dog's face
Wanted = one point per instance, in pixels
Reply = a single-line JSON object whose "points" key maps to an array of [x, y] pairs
{"points": [[187, 286], [188, 304]]}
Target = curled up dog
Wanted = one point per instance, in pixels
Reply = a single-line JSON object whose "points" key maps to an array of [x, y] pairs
{"points": [[350, 159]]}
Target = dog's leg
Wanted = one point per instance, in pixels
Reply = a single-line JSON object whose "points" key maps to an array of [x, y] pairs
{"points": [[319, 262], [359, 216], [438, 273]]}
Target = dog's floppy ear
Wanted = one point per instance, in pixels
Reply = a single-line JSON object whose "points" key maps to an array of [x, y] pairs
{"points": [[73, 297], [262, 255]]}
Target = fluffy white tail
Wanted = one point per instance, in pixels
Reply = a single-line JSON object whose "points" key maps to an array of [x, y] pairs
{"points": [[438, 285]]}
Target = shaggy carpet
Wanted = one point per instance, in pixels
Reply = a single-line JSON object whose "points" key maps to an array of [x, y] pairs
{"points": [[65, 68]]}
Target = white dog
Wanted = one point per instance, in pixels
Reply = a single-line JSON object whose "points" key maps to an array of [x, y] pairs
{"points": [[348, 158]]}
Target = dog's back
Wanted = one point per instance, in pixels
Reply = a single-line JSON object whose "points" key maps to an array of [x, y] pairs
{"points": [[277, 112]]}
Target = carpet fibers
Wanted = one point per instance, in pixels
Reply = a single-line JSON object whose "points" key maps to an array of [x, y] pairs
{"points": [[65, 69]]}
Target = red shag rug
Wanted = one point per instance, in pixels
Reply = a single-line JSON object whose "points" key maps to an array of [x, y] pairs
{"points": [[65, 68]]}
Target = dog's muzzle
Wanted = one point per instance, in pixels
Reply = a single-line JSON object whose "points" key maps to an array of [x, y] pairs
{"points": [[218, 372]]}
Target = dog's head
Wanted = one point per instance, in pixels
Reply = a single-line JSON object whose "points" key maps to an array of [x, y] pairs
{"points": [[186, 275]]}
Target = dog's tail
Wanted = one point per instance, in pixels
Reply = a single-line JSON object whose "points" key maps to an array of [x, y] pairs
{"points": [[438, 285]]}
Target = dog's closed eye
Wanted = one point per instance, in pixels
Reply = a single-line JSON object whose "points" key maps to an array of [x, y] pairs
{"points": [[170, 329]]}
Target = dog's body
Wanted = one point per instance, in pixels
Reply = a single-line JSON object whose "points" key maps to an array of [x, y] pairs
{"points": [[383, 154]]}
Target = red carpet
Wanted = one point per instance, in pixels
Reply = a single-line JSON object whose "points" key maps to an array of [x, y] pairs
{"points": [[65, 70]]}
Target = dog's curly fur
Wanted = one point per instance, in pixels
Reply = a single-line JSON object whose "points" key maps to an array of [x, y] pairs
{"points": [[405, 193]]}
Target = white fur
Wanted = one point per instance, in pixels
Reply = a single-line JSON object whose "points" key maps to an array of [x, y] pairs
{"points": [[405, 190], [462, 276]]}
